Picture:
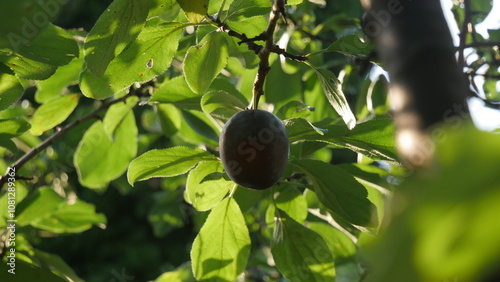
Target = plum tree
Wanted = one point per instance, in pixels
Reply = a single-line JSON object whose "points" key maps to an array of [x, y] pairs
{"points": [[254, 149]]}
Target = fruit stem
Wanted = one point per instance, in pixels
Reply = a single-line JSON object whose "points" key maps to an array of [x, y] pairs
{"points": [[233, 190]]}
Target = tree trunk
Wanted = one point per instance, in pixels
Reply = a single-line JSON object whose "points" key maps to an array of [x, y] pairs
{"points": [[427, 86]]}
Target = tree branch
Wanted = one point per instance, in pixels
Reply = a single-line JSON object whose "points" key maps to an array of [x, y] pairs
{"points": [[50, 140], [278, 10], [264, 67]]}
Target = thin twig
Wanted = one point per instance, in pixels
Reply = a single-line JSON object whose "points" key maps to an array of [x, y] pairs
{"points": [[463, 33], [50, 140], [482, 44]]}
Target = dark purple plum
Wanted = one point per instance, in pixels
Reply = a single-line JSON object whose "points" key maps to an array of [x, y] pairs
{"points": [[254, 149]]}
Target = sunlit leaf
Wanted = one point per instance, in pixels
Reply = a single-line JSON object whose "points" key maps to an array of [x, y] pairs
{"points": [[221, 249], [145, 58], [53, 112], [195, 10], [117, 26], [55, 85], [181, 274], [333, 91], [13, 127], [24, 67], [292, 202], [41, 203], [204, 61], [221, 105], [248, 8], [100, 157], [167, 10], [206, 185], [350, 45], [294, 109], [297, 127], [177, 92], [373, 138], [116, 113], [71, 218], [165, 163]]}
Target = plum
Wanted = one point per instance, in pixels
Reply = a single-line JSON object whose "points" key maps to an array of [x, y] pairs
{"points": [[254, 149]]}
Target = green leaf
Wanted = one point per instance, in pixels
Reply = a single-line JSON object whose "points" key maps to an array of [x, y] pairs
{"points": [[293, 2], [13, 127], [300, 253], [166, 214], [116, 113], [251, 27], [166, 163], [297, 127], [182, 273], [281, 93], [53, 112], [220, 250], [247, 198], [21, 192], [376, 100], [204, 61], [206, 185], [350, 45], [71, 218], [291, 201], [201, 124], [368, 174], [8, 144], [177, 92], [373, 138], [248, 8], [10, 90], [117, 26], [101, 158], [57, 83], [41, 203], [195, 10], [294, 109], [145, 58], [333, 91], [23, 20], [170, 118], [28, 272], [165, 10], [53, 46], [56, 264], [26, 68], [338, 191], [341, 247], [221, 105]]}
